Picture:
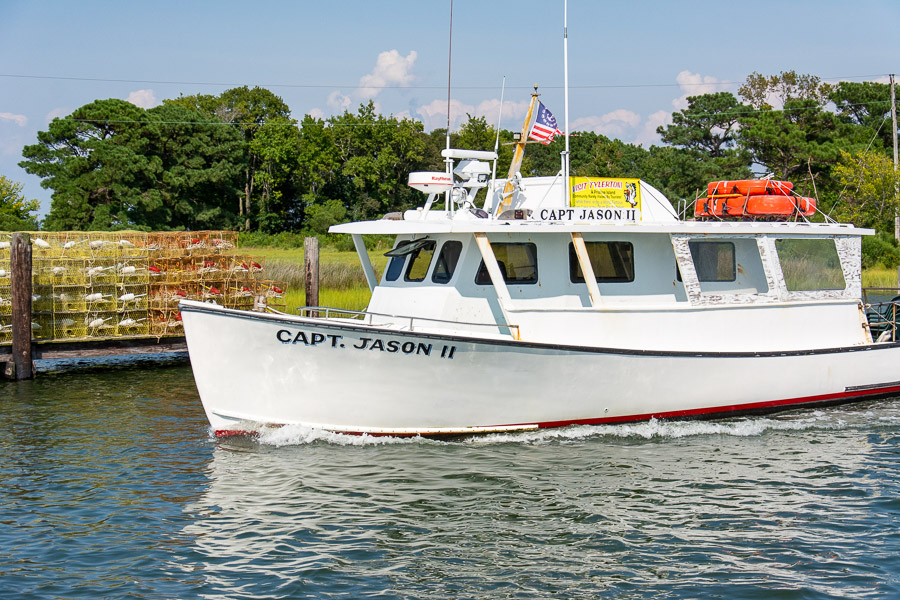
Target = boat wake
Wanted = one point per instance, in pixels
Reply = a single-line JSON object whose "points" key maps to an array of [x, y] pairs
{"points": [[886, 413]]}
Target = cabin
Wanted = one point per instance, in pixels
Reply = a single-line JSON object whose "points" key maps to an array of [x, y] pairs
{"points": [[634, 276]]}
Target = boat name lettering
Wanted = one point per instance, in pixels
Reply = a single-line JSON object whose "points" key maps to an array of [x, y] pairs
{"points": [[314, 338], [597, 185], [589, 214]]}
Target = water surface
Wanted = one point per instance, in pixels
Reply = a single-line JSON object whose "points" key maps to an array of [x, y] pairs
{"points": [[113, 487]]}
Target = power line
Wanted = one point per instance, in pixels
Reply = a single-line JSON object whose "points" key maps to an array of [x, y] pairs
{"points": [[402, 87]]}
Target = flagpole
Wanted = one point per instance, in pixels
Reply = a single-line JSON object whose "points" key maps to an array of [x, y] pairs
{"points": [[518, 153], [566, 94]]}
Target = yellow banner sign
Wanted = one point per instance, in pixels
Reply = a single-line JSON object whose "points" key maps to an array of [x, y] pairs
{"points": [[620, 197]]}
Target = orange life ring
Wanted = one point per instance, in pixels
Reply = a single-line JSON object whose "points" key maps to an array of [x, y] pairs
{"points": [[777, 205], [760, 205], [750, 187]]}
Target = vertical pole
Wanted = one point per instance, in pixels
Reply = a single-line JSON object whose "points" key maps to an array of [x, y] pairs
{"points": [[21, 366], [896, 191], [566, 157], [311, 262]]}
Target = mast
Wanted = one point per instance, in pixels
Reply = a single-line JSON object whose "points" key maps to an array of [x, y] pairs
{"points": [[448, 198], [896, 191], [894, 132], [566, 186], [518, 154]]}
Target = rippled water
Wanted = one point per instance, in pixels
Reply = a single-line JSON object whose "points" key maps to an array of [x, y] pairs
{"points": [[113, 488]]}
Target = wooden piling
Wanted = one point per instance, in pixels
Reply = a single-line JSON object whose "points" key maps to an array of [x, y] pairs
{"points": [[21, 365], [311, 262]]}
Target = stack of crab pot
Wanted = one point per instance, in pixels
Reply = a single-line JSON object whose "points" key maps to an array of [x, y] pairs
{"points": [[121, 284], [88, 284], [5, 290]]}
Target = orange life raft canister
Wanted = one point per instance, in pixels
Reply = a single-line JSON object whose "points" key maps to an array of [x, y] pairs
{"points": [[750, 187], [760, 205], [752, 198]]}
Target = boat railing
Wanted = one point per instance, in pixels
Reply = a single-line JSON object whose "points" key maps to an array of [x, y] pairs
{"points": [[882, 307], [367, 317]]}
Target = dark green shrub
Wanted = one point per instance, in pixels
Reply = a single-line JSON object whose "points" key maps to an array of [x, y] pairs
{"points": [[880, 248]]}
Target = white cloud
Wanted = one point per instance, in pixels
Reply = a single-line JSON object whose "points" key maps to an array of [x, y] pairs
{"points": [[648, 135], [57, 113], [694, 84], [20, 120], [490, 110], [615, 124], [316, 113], [434, 114], [391, 69], [338, 101], [142, 98]]}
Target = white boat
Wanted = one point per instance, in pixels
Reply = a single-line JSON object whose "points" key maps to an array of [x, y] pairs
{"points": [[558, 302]]}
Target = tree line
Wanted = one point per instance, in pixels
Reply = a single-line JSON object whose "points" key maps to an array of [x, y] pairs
{"points": [[238, 159]]}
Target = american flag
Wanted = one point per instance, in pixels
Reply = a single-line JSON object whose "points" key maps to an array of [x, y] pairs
{"points": [[544, 128]]}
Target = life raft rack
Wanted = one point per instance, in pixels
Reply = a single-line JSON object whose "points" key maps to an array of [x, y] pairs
{"points": [[753, 199]]}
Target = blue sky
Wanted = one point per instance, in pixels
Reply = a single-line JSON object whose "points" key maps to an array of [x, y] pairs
{"points": [[631, 64]]}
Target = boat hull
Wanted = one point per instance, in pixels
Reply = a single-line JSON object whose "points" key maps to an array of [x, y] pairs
{"points": [[256, 369]]}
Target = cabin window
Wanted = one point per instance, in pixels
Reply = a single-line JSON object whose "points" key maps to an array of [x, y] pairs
{"points": [[395, 267], [398, 256], [518, 263], [713, 261], [446, 262], [611, 261], [419, 261], [810, 264]]}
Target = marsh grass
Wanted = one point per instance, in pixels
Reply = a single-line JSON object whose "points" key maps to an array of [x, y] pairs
{"points": [[342, 283], [879, 277]]}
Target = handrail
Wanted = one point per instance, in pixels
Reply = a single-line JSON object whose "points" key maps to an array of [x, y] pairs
{"points": [[366, 316], [883, 316]]}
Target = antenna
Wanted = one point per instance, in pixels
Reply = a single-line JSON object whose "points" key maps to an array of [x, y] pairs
{"points": [[449, 62], [449, 161], [497, 141], [566, 94]]}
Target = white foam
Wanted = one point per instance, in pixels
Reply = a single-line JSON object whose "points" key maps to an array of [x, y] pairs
{"points": [[295, 435]]}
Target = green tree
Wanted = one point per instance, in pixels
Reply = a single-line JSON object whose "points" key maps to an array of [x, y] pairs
{"points": [[196, 168], [708, 125], [16, 210], [376, 155], [257, 112], [319, 217], [276, 148], [758, 89], [867, 104], [869, 189], [801, 143], [91, 160], [706, 138], [113, 165]]}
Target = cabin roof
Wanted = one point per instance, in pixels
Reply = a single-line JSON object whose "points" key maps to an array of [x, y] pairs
{"points": [[440, 222], [542, 203]]}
